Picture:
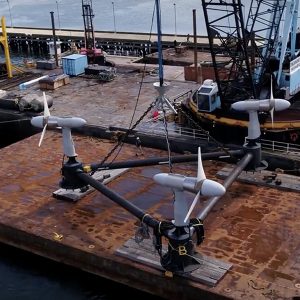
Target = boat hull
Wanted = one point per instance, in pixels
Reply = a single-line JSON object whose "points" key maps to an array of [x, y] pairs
{"points": [[14, 127], [230, 127]]}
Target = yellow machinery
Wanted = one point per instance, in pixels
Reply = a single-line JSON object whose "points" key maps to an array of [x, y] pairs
{"points": [[3, 40]]}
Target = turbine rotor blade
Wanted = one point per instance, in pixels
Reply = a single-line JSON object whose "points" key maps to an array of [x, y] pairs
{"points": [[200, 172], [200, 177], [272, 103], [197, 197], [209, 188], [42, 135], [46, 108], [272, 116], [271, 94]]}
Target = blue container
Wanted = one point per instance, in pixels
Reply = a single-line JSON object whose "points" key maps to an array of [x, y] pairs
{"points": [[74, 64]]}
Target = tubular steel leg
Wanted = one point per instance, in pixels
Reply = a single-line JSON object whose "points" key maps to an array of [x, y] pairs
{"points": [[227, 182]]}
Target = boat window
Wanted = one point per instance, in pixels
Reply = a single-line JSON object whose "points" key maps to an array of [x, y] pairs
{"points": [[205, 90], [213, 98], [203, 102], [287, 77]]}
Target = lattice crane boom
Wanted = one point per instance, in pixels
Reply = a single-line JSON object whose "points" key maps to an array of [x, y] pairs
{"points": [[256, 45], [88, 15]]}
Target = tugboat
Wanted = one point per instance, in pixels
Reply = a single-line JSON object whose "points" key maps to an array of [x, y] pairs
{"points": [[262, 48]]}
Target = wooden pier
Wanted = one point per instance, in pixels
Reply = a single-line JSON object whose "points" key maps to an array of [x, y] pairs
{"points": [[22, 38], [103, 35]]}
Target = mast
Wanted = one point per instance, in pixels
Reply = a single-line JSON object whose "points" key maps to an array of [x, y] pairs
{"points": [[159, 45], [161, 86]]}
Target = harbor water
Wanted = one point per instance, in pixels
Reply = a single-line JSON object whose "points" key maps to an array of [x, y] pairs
{"points": [[24, 276]]}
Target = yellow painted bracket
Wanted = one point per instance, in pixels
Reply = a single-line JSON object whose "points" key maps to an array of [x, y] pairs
{"points": [[3, 40]]}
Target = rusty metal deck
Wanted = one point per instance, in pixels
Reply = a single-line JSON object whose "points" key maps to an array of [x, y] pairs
{"points": [[254, 228]]}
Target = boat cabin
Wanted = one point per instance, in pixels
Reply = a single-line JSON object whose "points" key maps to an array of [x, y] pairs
{"points": [[206, 97]]}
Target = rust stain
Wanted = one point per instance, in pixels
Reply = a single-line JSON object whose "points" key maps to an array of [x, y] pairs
{"points": [[255, 228], [271, 275], [253, 213]]}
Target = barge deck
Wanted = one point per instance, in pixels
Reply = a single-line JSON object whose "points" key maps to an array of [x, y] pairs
{"points": [[254, 228]]}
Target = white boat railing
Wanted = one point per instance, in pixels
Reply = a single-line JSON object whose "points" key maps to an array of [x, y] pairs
{"points": [[175, 132], [280, 147], [195, 134]]}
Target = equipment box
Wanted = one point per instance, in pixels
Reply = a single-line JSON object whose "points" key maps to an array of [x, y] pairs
{"points": [[74, 64], [55, 82], [45, 64]]}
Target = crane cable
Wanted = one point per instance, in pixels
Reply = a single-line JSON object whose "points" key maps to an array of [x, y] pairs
{"points": [[167, 141], [120, 142]]}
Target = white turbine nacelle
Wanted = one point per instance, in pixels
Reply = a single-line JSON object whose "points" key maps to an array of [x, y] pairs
{"points": [[199, 185], [206, 187], [65, 123], [70, 122], [253, 106], [261, 105]]}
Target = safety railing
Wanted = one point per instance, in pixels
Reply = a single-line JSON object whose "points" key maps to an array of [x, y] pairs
{"points": [[280, 147], [174, 132]]}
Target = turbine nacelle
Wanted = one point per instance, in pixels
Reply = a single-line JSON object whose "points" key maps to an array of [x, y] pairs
{"points": [[199, 185], [261, 105], [66, 124], [206, 187], [52, 121], [253, 106]]}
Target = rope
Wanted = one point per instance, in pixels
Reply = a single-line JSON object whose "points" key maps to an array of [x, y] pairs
{"points": [[220, 145], [121, 141], [167, 140]]}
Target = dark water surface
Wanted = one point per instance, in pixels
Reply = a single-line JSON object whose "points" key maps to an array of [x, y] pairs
{"points": [[30, 277]]}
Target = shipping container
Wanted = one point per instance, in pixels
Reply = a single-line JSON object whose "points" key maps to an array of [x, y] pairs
{"points": [[74, 64]]}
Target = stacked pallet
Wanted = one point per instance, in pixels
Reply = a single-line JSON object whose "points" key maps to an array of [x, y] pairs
{"points": [[54, 82]]}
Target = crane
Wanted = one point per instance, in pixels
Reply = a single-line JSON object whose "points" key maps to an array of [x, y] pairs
{"points": [[256, 45], [94, 55], [4, 42]]}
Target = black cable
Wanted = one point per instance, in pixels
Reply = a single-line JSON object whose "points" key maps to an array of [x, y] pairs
{"points": [[167, 140], [121, 142]]}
